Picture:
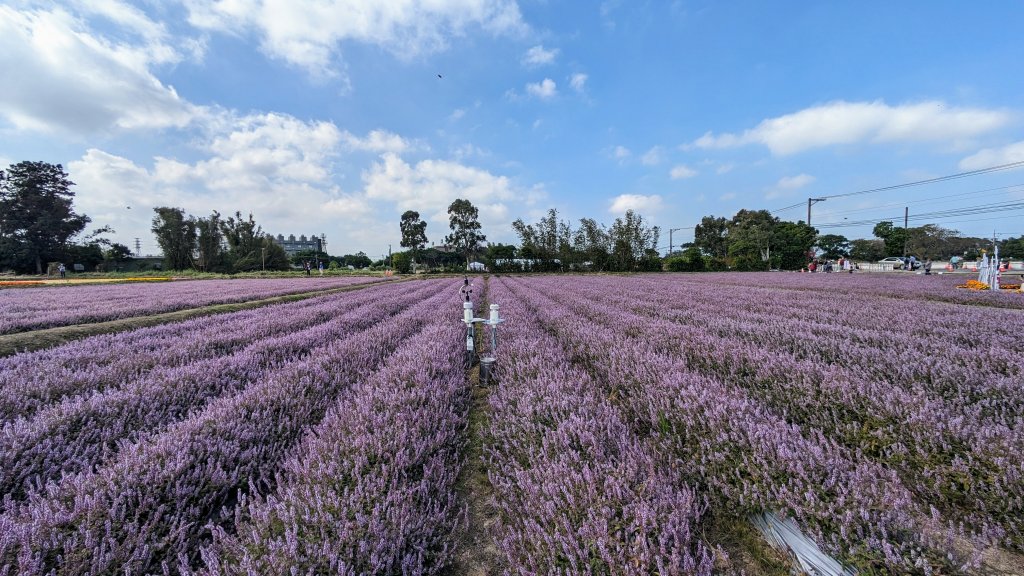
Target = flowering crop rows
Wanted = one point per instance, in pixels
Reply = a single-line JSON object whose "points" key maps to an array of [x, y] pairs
{"points": [[326, 436], [34, 308], [881, 455], [578, 491], [148, 501], [372, 489], [80, 431]]}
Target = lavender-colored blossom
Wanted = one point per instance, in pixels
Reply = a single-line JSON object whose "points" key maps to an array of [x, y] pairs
{"points": [[33, 308]]}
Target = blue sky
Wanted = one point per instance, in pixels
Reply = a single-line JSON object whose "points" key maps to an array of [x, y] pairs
{"points": [[329, 117]]}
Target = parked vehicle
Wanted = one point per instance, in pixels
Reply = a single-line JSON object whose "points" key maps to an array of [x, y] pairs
{"points": [[896, 261]]}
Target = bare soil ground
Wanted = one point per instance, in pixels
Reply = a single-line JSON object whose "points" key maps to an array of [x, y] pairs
{"points": [[476, 554]]}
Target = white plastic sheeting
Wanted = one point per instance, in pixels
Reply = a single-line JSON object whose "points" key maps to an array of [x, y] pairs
{"points": [[784, 534]]}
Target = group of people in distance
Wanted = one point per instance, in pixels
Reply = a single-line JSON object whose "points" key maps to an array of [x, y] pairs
{"points": [[308, 267], [828, 266]]}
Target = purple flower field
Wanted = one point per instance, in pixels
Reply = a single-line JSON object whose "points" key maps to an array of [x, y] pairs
{"points": [[885, 419], [885, 416], [34, 308]]}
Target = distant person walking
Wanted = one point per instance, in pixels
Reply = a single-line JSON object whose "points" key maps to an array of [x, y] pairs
{"points": [[321, 267], [62, 270], [928, 267], [306, 265]]}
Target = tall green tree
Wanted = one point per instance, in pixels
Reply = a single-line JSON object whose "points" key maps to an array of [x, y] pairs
{"points": [[463, 219], [833, 245], [895, 238], [249, 248], [548, 240], [176, 236], [934, 241], [209, 243], [592, 243], [36, 217], [751, 238], [867, 250], [632, 242], [792, 243], [711, 236], [414, 233]]}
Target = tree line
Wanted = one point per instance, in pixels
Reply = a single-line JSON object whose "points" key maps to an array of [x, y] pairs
{"points": [[39, 227]]}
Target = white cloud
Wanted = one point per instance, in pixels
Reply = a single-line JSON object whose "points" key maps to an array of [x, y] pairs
{"points": [[73, 81], [727, 196], [725, 168], [545, 89], [994, 157], [652, 157], [538, 56], [431, 185], [788, 184], [309, 34], [578, 81], [637, 202], [682, 172], [468, 151], [272, 165], [621, 152], [795, 182], [457, 114], [855, 122], [377, 141]]}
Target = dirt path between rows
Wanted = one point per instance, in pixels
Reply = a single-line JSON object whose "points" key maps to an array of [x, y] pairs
{"points": [[476, 553], [49, 337]]}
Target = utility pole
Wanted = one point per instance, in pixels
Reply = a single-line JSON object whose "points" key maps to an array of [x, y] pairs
{"points": [[906, 235], [138, 248], [811, 202], [670, 231], [391, 259]]}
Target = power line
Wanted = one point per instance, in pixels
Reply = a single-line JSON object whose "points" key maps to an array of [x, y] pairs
{"points": [[934, 215], [797, 205], [928, 200], [957, 176]]}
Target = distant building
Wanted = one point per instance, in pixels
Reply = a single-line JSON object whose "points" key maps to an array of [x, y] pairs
{"points": [[293, 246]]}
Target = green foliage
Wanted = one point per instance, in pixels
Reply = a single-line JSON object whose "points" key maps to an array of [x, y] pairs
{"points": [[463, 219], [88, 255], [712, 264], [402, 262], [37, 220], [549, 240], [632, 242], [895, 239], [712, 236], [867, 250], [210, 244], [117, 252], [792, 243], [357, 260], [1012, 247], [176, 236], [414, 232], [691, 260], [833, 246], [313, 256]]}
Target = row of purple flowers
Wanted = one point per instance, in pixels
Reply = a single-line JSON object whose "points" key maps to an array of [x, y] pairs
{"points": [[150, 500], [34, 308]]}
